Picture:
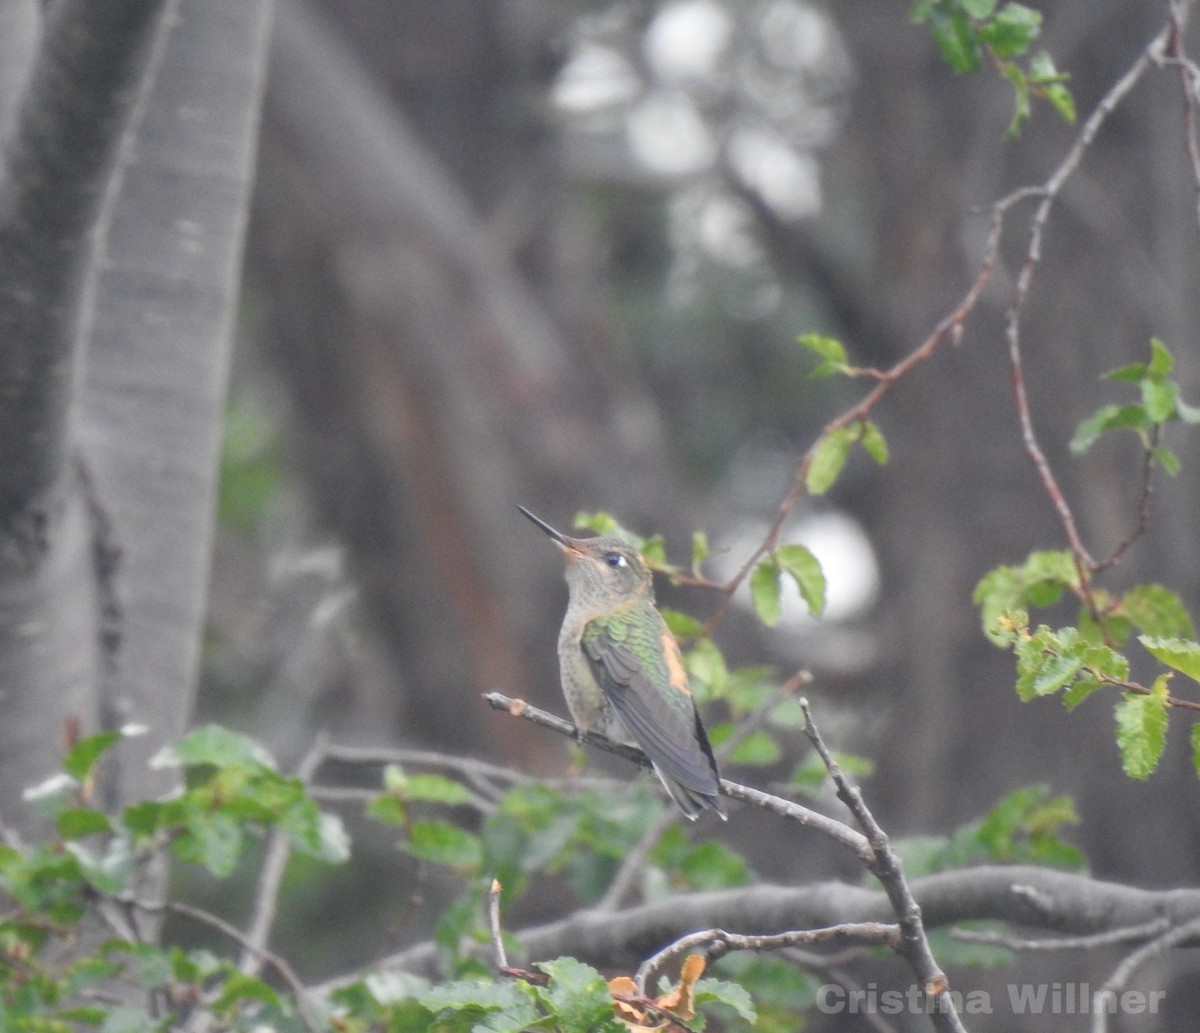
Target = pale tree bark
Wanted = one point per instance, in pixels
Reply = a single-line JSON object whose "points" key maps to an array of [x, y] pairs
{"points": [[126, 175]]}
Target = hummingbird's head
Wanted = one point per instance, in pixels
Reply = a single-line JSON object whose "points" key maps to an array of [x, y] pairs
{"points": [[607, 567]]}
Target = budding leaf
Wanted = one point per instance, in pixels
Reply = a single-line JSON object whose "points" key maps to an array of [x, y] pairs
{"points": [[831, 351], [874, 443], [828, 459], [765, 591]]}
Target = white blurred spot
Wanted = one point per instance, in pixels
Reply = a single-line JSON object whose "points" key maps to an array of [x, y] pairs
{"points": [[787, 180], [687, 41], [594, 79], [668, 135]]}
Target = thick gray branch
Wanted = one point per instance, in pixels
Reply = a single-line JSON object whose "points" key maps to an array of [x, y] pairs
{"points": [[1034, 898]]}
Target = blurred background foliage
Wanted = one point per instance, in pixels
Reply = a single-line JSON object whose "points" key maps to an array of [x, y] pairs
{"points": [[558, 254]]}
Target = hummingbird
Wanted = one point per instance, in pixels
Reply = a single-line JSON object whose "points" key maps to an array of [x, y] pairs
{"points": [[622, 671]]}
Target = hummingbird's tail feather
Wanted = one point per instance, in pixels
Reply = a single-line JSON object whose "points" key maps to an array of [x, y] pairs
{"points": [[691, 801]]}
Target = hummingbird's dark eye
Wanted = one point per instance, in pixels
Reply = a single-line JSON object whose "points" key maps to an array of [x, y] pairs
{"points": [[614, 559]]}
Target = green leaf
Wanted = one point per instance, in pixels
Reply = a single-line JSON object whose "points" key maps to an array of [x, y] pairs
{"points": [[700, 549], [78, 822], [1181, 654], [1061, 100], [682, 625], [1142, 729], [1021, 109], [578, 998], [1037, 582], [1167, 460], [83, 755], [433, 788], [955, 37], [765, 591], [805, 568], [1161, 362], [108, 871], [719, 991], [707, 673], [1110, 417], [212, 840], [828, 458], [212, 744], [1157, 611], [1012, 30], [874, 442], [439, 842], [831, 351], [758, 748], [598, 523], [711, 866], [1159, 398]]}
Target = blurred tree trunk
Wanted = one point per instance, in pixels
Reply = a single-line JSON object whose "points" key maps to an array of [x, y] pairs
{"points": [[435, 384], [125, 183]]}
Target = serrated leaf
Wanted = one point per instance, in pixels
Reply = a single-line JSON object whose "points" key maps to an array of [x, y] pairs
{"points": [[1142, 730], [805, 569], [1055, 674], [1181, 654], [700, 550], [765, 591], [828, 458], [1079, 690], [874, 443]]}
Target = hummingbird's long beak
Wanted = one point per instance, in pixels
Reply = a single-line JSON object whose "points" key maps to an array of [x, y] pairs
{"points": [[558, 536]]}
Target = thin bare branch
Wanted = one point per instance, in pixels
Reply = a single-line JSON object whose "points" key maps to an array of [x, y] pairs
{"points": [[888, 868], [718, 942], [833, 829]]}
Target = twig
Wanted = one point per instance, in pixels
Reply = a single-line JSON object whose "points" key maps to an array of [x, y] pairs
{"points": [[1062, 943], [1126, 969], [1049, 192], [494, 925], [718, 943], [232, 932], [830, 827], [1189, 80], [887, 867], [270, 878]]}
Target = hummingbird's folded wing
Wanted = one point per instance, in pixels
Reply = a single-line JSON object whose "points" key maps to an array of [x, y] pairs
{"points": [[650, 695]]}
